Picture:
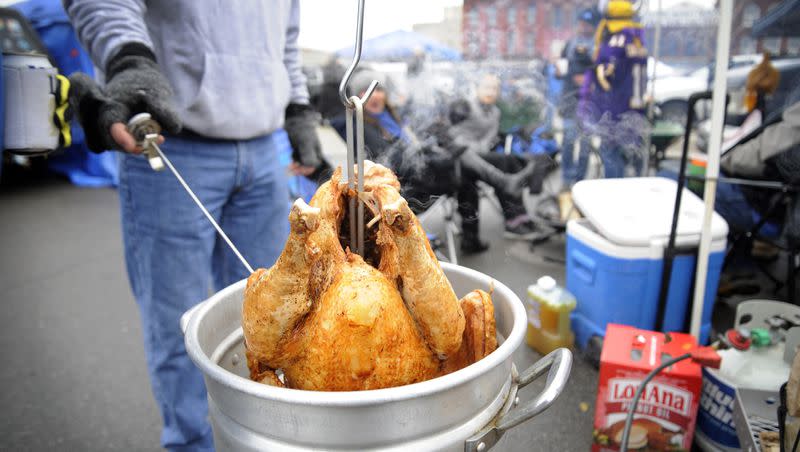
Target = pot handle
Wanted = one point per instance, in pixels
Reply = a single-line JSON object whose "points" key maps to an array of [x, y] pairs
{"points": [[559, 364], [187, 316]]}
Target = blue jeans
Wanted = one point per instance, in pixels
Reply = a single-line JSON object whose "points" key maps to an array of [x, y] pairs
{"points": [[173, 254], [623, 144], [573, 169]]}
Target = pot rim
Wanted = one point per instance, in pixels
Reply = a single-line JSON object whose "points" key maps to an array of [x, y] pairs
{"points": [[366, 397]]}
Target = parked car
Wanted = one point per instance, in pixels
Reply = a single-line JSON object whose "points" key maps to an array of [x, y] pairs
{"points": [[672, 92]]}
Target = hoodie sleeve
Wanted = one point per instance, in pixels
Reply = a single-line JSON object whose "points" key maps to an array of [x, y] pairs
{"points": [[292, 60], [105, 26], [748, 159]]}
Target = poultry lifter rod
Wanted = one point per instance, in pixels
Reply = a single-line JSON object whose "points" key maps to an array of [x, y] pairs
{"points": [[355, 145], [145, 131]]}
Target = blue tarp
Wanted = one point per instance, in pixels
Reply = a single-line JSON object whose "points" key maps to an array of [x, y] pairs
{"points": [[402, 45]]}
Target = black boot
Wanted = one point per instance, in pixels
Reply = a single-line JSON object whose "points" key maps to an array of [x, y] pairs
{"points": [[509, 184], [473, 245]]}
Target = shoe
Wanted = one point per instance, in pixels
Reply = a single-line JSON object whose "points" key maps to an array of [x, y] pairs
{"points": [[516, 182], [547, 213], [764, 251], [473, 246], [747, 287], [525, 230]]}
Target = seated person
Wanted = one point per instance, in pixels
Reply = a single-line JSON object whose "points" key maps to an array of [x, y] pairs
{"points": [[475, 123], [430, 167], [770, 152], [754, 155]]}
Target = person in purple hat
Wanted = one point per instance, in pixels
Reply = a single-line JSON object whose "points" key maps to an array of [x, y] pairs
{"points": [[618, 81]]}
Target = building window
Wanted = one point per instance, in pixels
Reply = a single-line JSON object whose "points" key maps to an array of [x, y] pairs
{"points": [[532, 14], [491, 14], [692, 47], [747, 45], [750, 14], [793, 45], [557, 17], [566, 13], [511, 42], [670, 47], [530, 44], [474, 18], [773, 45], [492, 44], [511, 16]]}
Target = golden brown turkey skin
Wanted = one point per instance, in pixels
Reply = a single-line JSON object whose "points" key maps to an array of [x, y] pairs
{"points": [[277, 299], [424, 286], [480, 334], [359, 336], [333, 322]]}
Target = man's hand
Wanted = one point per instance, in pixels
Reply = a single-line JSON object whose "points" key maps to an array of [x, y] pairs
{"points": [[126, 141], [300, 170], [301, 126], [134, 86]]}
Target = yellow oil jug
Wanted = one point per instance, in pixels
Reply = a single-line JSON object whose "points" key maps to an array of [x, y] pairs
{"points": [[548, 307]]}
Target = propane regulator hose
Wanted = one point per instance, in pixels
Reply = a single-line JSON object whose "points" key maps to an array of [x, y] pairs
{"points": [[629, 420]]}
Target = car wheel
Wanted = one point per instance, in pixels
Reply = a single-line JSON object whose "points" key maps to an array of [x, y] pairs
{"points": [[674, 111]]}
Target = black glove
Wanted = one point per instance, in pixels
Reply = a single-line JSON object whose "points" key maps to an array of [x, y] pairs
{"points": [[133, 85], [441, 132], [301, 126]]}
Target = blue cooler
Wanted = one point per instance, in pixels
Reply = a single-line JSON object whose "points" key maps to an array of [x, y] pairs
{"points": [[615, 255]]}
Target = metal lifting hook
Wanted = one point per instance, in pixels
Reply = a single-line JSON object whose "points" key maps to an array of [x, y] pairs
{"points": [[355, 143], [145, 130]]}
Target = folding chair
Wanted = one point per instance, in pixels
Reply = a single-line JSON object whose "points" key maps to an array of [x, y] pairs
{"points": [[448, 205], [784, 197]]}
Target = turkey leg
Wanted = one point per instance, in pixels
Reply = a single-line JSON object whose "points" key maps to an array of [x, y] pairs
{"points": [[424, 287], [277, 298]]}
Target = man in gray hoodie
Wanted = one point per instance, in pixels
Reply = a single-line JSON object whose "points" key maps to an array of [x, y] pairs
{"points": [[221, 78]]}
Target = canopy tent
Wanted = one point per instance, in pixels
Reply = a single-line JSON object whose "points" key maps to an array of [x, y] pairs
{"points": [[714, 148], [401, 45], [783, 20]]}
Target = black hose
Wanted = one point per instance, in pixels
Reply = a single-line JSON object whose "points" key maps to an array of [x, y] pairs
{"points": [[632, 410]]}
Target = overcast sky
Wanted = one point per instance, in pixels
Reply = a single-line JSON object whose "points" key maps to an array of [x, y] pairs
{"points": [[330, 24]]}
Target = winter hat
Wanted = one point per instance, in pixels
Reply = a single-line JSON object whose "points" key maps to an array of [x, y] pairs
{"points": [[590, 16], [361, 80]]}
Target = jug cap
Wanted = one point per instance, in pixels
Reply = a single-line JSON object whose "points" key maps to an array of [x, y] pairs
{"points": [[546, 283]]}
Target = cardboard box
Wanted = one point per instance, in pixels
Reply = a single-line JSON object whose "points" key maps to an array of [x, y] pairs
{"points": [[666, 414]]}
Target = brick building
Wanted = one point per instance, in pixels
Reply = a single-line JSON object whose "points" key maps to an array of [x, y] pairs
{"points": [[688, 34], [518, 29], [524, 29]]}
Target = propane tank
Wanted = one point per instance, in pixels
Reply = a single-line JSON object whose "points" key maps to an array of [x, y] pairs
{"points": [[755, 360], [30, 90]]}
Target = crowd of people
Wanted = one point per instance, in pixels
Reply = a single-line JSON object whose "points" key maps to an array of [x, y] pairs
{"points": [[458, 137], [450, 156]]}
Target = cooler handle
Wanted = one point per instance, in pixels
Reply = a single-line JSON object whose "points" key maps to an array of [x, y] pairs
{"points": [[584, 266], [558, 363]]}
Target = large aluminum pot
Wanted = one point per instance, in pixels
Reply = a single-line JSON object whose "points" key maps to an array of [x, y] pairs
{"points": [[465, 410]]}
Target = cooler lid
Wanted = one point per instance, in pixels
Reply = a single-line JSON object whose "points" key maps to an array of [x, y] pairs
{"points": [[637, 211]]}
